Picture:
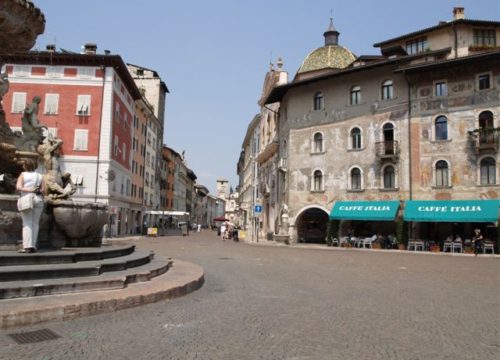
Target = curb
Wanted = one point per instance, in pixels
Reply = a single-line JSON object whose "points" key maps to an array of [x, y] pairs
{"points": [[181, 279]]}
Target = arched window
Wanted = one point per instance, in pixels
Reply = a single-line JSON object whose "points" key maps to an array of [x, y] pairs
{"points": [[442, 173], [389, 177], [355, 98], [441, 128], [387, 90], [356, 138], [486, 133], [318, 143], [488, 171], [318, 180], [318, 101], [356, 179]]}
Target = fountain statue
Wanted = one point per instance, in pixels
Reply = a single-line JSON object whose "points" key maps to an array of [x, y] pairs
{"points": [[65, 222]]}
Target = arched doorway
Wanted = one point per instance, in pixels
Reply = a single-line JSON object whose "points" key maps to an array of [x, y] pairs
{"points": [[311, 226]]}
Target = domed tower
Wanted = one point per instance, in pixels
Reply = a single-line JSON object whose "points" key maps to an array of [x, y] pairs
{"points": [[331, 56]]}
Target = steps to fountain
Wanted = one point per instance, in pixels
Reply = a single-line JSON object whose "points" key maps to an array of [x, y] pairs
{"points": [[76, 270]]}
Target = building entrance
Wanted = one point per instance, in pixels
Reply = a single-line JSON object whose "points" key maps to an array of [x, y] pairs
{"points": [[311, 226]]}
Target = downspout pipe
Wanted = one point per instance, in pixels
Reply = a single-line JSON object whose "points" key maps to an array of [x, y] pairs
{"points": [[103, 68], [410, 188]]}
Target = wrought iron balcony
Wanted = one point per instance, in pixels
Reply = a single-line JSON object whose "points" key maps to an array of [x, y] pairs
{"points": [[486, 140], [387, 150]]}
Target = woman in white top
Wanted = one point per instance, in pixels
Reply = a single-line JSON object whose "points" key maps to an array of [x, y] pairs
{"points": [[30, 182]]}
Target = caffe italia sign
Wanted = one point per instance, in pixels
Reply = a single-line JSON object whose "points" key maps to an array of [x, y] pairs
{"points": [[365, 210], [452, 211]]}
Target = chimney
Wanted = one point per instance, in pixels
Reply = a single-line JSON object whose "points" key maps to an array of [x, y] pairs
{"points": [[458, 13], [50, 48], [107, 52], [90, 49]]}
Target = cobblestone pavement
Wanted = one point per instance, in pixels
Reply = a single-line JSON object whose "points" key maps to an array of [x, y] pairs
{"points": [[262, 302]]}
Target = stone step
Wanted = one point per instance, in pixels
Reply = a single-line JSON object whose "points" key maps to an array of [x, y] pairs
{"points": [[83, 268], [106, 281], [65, 255]]}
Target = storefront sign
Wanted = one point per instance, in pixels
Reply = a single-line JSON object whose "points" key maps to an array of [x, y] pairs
{"points": [[452, 211], [365, 210]]}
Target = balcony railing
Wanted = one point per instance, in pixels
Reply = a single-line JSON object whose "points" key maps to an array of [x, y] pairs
{"points": [[387, 149], [486, 139]]}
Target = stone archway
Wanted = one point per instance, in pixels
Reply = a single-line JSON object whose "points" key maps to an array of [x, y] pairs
{"points": [[311, 225]]}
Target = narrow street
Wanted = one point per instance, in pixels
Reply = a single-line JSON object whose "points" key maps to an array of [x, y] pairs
{"points": [[278, 302]]}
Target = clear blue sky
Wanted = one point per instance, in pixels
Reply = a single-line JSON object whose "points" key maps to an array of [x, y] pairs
{"points": [[213, 54]]}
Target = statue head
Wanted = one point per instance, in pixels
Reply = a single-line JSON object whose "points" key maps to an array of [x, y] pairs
{"points": [[37, 99]]}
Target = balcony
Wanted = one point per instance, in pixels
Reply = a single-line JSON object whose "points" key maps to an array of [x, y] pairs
{"points": [[485, 140], [387, 150]]}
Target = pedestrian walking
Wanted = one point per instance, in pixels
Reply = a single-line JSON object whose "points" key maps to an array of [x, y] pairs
{"points": [[223, 228], [30, 204]]}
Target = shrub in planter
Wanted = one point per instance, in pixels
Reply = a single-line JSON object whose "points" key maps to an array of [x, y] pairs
{"points": [[401, 233], [376, 245]]}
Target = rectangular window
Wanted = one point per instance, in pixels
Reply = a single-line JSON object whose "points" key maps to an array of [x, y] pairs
{"points": [[416, 46], [83, 105], [86, 72], [54, 71], [51, 104], [81, 140], [115, 147], [483, 81], [124, 151], [22, 70], [441, 88], [18, 102], [483, 37]]}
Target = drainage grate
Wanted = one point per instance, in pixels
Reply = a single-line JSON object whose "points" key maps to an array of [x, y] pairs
{"points": [[34, 336]]}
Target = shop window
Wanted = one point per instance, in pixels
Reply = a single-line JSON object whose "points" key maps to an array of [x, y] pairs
{"points": [[441, 128], [488, 171]]}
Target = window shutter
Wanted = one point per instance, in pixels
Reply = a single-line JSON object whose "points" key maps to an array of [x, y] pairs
{"points": [[81, 139], [83, 105], [51, 104], [18, 102]]}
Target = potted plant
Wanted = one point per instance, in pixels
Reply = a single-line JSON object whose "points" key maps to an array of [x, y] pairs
{"points": [[401, 233]]}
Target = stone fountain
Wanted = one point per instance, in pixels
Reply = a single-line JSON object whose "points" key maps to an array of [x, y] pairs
{"points": [[64, 222]]}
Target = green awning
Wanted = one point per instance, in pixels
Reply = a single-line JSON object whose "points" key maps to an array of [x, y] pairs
{"points": [[365, 210], [452, 210]]}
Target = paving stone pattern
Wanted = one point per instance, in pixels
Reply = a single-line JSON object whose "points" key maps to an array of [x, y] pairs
{"points": [[278, 302]]}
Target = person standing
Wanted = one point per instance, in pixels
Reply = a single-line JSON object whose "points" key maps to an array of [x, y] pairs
{"points": [[477, 240], [30, 182]]}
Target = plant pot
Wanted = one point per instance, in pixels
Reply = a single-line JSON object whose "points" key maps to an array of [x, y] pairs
{"points": [[468, 250], [401, 246], [377, 246], [347, 245]]}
